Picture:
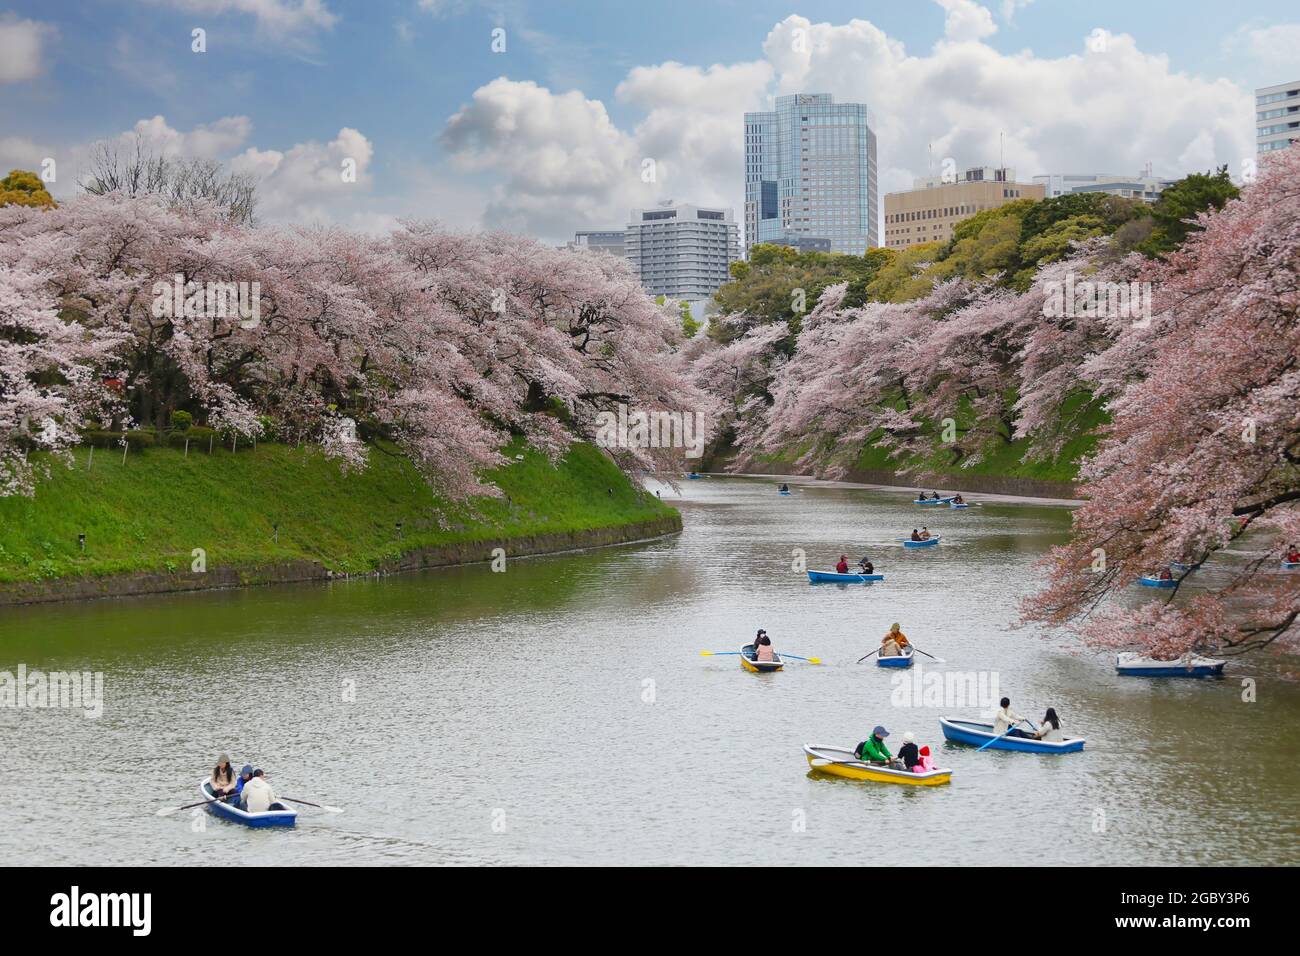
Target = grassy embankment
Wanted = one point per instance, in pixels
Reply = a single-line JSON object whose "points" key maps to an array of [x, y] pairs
{"points": [[151, 512], [1080, 418]]}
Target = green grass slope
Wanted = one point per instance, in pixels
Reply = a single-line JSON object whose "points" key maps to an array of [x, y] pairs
{"points": [[151, 512]]}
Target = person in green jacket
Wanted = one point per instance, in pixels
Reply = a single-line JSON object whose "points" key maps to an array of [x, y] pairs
{"points": [[873, 749]]}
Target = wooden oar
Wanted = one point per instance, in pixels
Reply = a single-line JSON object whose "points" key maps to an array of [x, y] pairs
{"points": [[937, 660], [318, 806], [868, 654], [168, 811]]}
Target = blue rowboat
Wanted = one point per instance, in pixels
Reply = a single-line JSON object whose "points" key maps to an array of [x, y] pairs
{"points": [[819, 577], [759, 667], [278, 816], [1179, 566], [693, 476], [931, 501], [783, 492], [902, 660], [1147, 581], [978, 732], [961, 504], [928, 542], [1134, 665], [1291, 564]]}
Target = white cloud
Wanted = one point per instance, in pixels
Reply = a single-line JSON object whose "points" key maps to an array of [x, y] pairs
{"points": [[966, 20], [561, 163], [1271, 51], [307, 181], [278, 17], [213, 140], [1010, 7], [22, 48]]}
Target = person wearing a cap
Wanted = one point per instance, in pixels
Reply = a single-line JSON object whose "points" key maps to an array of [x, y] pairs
{"points": [[245, 775], [873, 749], [908, 753], [258, 795], [223, 778]]}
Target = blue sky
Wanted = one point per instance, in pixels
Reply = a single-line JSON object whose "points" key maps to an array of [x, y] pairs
{"points": [[599, 86]]}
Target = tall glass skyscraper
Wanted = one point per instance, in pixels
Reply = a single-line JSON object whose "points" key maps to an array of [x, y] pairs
{"points": [[810, 175]]}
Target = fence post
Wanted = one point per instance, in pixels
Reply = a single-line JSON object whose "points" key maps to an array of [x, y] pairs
{"points": [[90, 462]]}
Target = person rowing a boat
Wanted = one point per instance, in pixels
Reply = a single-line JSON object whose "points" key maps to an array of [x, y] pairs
{"points": [[958, 500], [925, 534], [1005, 720], [1166, 574], [785, 487], [257, 795], [916, 535], [222, 780], [865, 566], [873, 749], [893, 643], [1293, 555], [843, 566]]}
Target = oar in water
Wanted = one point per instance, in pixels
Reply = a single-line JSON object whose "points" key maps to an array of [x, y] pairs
{"points": [[168, 811], [795, 657], [999, 736], [868, 654], [937, 660], [318, 806]]}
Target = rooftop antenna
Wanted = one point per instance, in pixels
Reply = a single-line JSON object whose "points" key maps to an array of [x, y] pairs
{"points": [[1002, 157]]}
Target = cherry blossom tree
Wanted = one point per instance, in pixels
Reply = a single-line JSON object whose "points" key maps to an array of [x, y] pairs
{"points": [[447, 345], [1203, 456]]}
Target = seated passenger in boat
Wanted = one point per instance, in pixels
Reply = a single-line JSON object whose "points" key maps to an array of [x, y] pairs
{"points": [[957, 500], [924, 763], [843, 566], [925, 534], [908, 753], [916, 535], [763, 649], [1051, 728], [1166, 574], [873, 749], [257, 795], [1293, 555], [894, 642], [245, 775], [222, 780], [865, 566], [785, 487], [1007, 718]]}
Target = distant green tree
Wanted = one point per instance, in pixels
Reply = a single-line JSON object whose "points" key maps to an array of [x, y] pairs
{"points": [[1181, 202], [22, 188]]}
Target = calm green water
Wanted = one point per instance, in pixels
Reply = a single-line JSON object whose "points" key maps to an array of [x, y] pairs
{"points": [[561, 713]]}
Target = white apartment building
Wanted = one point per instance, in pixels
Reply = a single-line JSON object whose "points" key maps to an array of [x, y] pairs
{"points": [[1277, 116], [682, 251]]}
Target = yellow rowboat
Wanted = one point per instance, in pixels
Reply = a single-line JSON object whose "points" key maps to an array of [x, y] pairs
{"points": [[842, 763], [748, 662]]}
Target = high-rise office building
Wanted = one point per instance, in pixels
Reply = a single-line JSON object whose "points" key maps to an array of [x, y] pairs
{"points": [[605, 240], [810, 174], [1277, 117], [929, 211], [681, 250], [1143, 186]]}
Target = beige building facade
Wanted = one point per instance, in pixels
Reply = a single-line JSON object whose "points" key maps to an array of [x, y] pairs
{"points": [[929, 211]]}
